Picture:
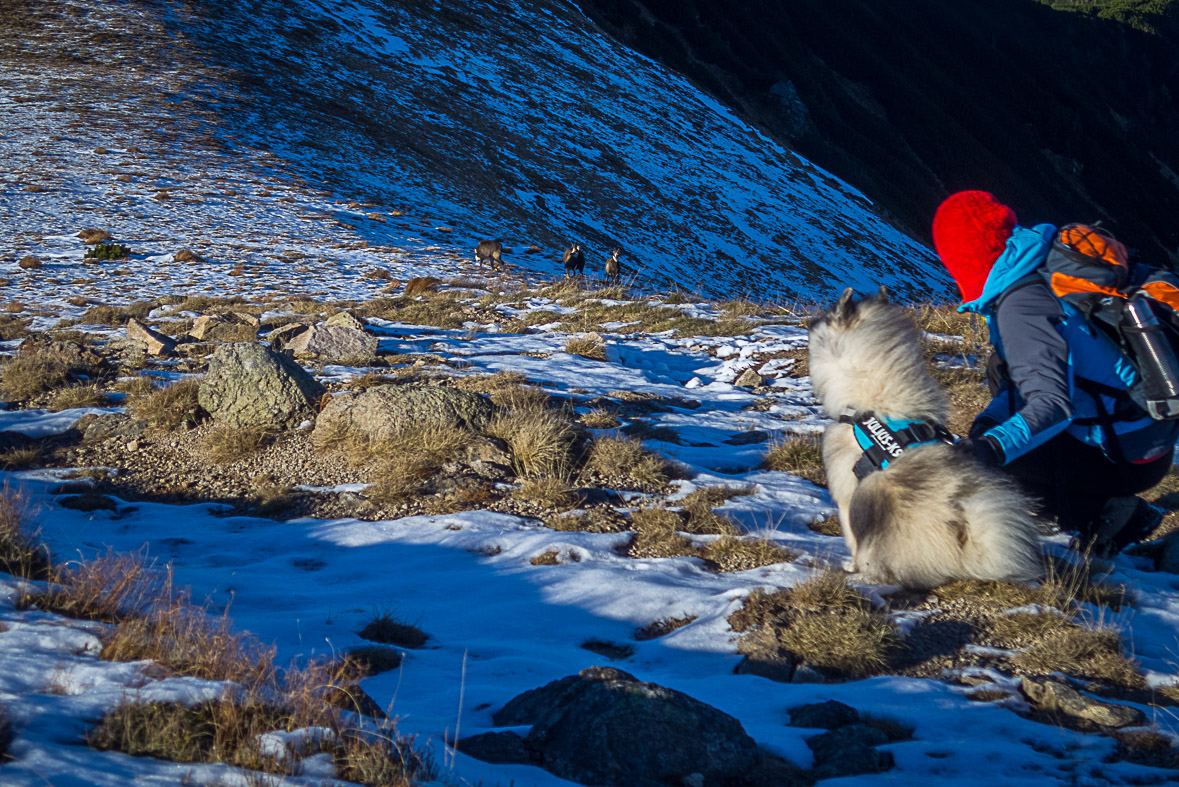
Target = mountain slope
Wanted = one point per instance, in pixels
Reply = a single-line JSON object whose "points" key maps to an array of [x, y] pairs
{"points": [[1069, 117], [525, 122]]}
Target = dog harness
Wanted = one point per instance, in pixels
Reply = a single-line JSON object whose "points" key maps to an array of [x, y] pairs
{"points": [[884, 439]]}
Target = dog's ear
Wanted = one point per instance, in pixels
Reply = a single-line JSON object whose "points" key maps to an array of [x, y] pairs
{"points": [[845, 307], [883, 295]]}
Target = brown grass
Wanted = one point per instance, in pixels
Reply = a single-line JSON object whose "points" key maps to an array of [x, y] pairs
{"points": [[968, 394], [662, 627], [800, 454], [822, 622], [552, 493], [21, 552], [225, 444], [77, 396], [541, 440], [731, 553], [110, 588], [442, 309], [656, 535], [551, 557], [385, 629], [33, 372], [21, 458], [1086, 653], [599, 419], [624, 459], [117, 316], [587, 347], [171, 408]]}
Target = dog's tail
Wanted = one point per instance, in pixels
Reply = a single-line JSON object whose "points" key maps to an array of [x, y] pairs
{"points": [[1003, 536], [933, 517]]}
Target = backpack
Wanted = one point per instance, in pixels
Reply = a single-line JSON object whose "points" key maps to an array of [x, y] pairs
{"points": [[1136, 305]]}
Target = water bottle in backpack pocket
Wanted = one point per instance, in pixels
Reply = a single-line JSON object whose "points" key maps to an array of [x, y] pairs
{"points": [[1151, 350]]}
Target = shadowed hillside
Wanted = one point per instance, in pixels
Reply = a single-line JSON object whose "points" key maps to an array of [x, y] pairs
{"points": [[1066, 115]]}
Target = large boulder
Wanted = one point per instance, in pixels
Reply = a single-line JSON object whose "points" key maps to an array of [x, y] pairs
{"points": [[251, 385], [334, 344], [603, 726], [381, 412]]}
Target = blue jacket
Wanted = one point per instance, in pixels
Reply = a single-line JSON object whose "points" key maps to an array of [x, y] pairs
{"points": [[1051, 349]]}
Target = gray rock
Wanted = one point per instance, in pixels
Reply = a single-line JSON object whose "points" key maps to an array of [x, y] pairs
{"points": [[750, 379], [382, 411], [849, 751], [829, 715], [805, 673], [345, 320], [603, 726], [279, 338], [765, 657], [223, 328], [153, 341], [780, 670], [251, 385], [334, 344], [498, 747], [113, 426], [1055, 696]]}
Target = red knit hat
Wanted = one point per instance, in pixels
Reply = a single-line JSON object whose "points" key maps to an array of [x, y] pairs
{"points": [[970, 231]]}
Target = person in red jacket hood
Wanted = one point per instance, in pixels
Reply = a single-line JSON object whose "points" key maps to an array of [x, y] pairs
{"points": [[1051, 377]]}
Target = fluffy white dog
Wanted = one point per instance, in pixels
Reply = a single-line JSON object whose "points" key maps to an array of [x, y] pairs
{"points": [[931, 514]]}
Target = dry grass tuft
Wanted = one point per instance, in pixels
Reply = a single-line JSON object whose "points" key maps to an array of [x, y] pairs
{"points": [[599, 419], [384, 629], [117, 316], [21, 458], [853, 643], [944, 318], [624, 459], [968, 394], [519, 398], [33, 372], [1086, 653], [225, 444], [800, 454], [822, 622], [171, 408], [587, 347], [1018, 629], [400, 478], [541, 439], [828, 526], [656, 535], [135, 386], [662, 627], [111, 588], [702, 519], [551, 557], [552, 493], [21, 552], [77, 396], [731, 553]]}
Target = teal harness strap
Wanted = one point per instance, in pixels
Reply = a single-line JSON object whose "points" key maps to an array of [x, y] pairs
{"points": [[884, 439]]}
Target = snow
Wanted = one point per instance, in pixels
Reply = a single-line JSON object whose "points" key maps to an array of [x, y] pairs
{"points": [[498, 625]]}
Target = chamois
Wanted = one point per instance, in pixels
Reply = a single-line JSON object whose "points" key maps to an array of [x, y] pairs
{"points": [[491, 250], [574, 259], [613, 267]]}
